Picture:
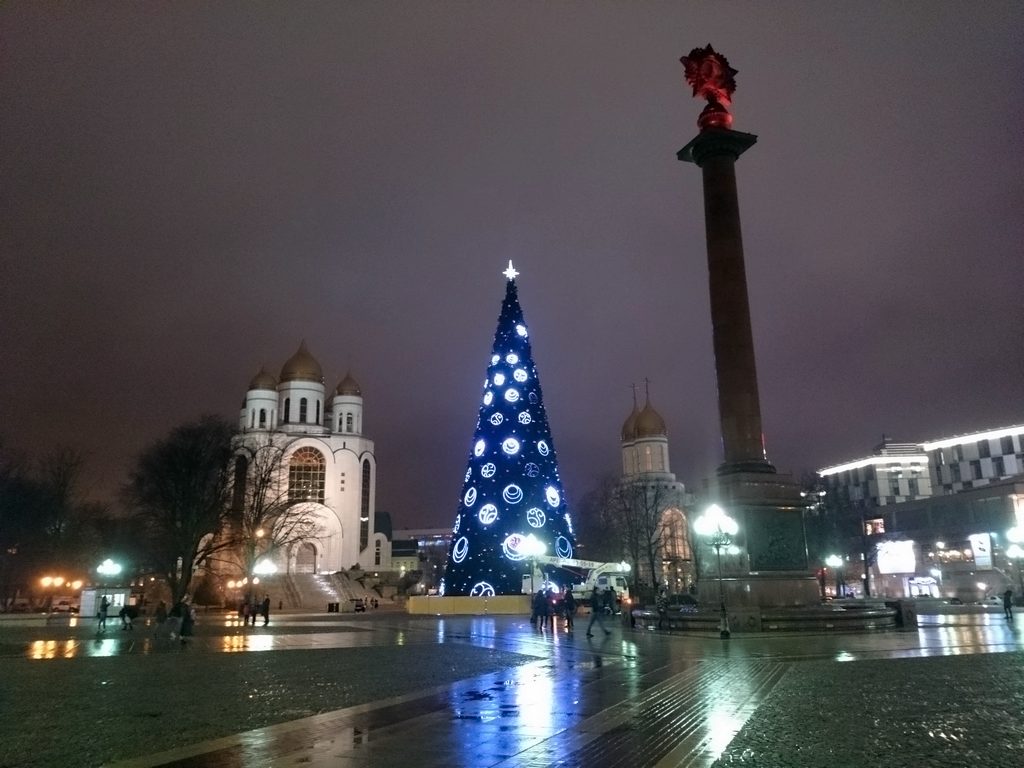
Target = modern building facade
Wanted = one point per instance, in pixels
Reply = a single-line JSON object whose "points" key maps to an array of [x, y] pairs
{"points": [[938, 517], [328, 464]]}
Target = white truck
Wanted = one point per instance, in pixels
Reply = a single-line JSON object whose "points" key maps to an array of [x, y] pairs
{"points": [[585, 575]]}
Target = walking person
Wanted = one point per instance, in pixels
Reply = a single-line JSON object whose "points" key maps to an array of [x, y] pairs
{"points": [[101, 616], [1008, 604], [265, 609], [185, 614], [538, 598], [596, 612], [543, 609], [568, 609], [188, 620], [661, 604]]}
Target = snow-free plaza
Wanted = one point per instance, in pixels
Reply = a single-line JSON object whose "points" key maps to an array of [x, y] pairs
{"points": [[387, 689]]}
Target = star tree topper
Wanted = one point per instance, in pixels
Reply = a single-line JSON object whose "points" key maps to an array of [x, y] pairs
{"points": [[510, 273]]}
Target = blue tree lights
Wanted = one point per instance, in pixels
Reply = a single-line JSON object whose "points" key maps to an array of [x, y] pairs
{"points": [[511, 491]]}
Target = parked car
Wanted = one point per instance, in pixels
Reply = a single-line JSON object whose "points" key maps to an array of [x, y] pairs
{"points": [[360, 606], [64, 606]]}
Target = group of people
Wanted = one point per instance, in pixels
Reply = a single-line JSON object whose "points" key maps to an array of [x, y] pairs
{"points": [[176, 623], [545, 608], [249, 609]]}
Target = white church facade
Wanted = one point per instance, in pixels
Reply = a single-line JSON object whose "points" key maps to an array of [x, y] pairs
{"points": [[328, 465], [646, 468]]}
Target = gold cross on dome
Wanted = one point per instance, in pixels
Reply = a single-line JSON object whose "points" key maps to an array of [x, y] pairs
{"points": [[510, 273]]}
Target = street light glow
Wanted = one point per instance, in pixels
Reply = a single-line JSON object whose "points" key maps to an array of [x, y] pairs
{"points": [[719, 529], [714, 520], [108, 568], [265, 567], [833, 561]]}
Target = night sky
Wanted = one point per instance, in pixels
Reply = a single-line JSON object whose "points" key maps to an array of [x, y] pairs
{"points": [[189, 190]]}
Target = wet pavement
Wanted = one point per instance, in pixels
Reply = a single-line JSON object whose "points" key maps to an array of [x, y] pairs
{"points": [[492, 691]]}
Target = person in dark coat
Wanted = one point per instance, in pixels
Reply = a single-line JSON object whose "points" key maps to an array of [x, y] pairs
{"points": [[188, 619], [535, 605], [568, 609], [596, 612], [265, 610], [101, 616], [661, 604], [1008, 604], [543, 608]]}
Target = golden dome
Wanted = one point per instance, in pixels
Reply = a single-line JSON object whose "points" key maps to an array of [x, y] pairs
{"points": [[649, 423], [629, 426], [349, 386], [302, 366], [263, 380]]}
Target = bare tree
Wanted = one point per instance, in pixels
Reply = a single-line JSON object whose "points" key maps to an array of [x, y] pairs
{"points": [[264, 520], [597, 532], [637, 508], [180, 488]]}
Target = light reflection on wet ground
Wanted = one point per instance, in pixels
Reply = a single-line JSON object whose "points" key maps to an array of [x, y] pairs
{"points": [[634, 698], [935, 635]]}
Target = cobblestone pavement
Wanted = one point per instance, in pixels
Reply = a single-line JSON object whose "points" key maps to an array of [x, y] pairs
{"points": [[393, 690]]}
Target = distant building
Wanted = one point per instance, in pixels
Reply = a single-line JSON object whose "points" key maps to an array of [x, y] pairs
{"points": [[427, 548], [937, 517], [969, 461], [894, 473], [330, 464]]}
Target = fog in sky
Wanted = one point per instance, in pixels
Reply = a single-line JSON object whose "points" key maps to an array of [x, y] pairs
{"points": [[188, 190]]}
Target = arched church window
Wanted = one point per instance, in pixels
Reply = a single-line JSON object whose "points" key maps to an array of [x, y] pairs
{"points": [[647, 459], [287, 410], [348, 422], [675, 543], [239, 489], [263, 417], [252, 418], [376, 554], [306, 473], [364, 509], [318, 411], [303, 408]]}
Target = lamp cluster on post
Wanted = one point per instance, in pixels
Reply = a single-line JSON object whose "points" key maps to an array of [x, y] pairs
{"points": [[108, 568], [719, 529]]}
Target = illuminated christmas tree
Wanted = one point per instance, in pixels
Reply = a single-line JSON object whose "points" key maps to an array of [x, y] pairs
{"points": [[512, 496]]}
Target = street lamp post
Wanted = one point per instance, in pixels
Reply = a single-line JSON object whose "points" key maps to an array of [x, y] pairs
{"points": [[719, 529]]}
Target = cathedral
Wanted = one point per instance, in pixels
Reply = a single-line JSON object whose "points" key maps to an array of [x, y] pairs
{"points": [[327, 464], [646, 470]]}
